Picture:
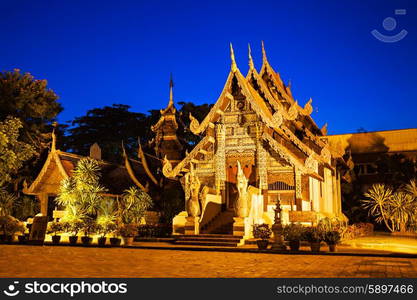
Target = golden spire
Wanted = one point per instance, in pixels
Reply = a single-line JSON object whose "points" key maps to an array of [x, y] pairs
{"points": [[264, 59], [171, 93], [232, 57], [53, 146], [251, 65]]}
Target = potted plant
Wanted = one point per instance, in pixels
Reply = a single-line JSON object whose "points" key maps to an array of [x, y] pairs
{"points": [[263, 233], [115, 240], [105, 220], [332, 238], [89, 226], [10, 228], [55, 228], [74, 228], [128, 232], [103, 230], [130, 209], [293, 234], [24, 236], [314, 236]]}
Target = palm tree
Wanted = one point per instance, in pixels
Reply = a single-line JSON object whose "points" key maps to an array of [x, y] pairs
{"points": [[379, 196], [411, 188], [133, 205], [401, 210], [83, 189]]}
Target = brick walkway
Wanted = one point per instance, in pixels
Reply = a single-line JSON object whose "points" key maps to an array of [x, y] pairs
{"points": [[49, 261]]}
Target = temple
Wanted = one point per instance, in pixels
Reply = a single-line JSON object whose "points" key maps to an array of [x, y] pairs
{"points": [[258, 146], [60, 165]]}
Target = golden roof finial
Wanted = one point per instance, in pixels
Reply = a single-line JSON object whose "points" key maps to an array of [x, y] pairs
{"points": [[53, 146], [171, 93], [251, 65], [232, 57], [265, 60]]}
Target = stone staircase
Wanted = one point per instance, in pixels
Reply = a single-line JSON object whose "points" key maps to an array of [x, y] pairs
{"points": [[222, 223], [217, 232], [219, 240]]}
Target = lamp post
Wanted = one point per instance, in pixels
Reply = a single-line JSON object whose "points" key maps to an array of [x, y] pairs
{"points": [[278, 244]]}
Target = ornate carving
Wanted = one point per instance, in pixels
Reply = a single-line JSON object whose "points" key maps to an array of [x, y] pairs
{"points": [[311, 164], [167, 168], [298, 191], [220, 158], [192, 189], [292, 112], [262, 161], [241, 205], [194, 125], [308, 108], [277, 118], [326, 155], [324, 129]]}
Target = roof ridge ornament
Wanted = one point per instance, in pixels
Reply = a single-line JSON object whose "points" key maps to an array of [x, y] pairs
{"points": [[251, 64], [53, 134], [171, 93], [264, 58], [232, 57], [308, 108]]}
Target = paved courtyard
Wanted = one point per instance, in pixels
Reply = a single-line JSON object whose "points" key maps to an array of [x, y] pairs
{"points": [[50, 261]]}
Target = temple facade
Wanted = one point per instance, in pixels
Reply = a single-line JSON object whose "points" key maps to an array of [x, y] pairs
{"points": [[258, 146]]}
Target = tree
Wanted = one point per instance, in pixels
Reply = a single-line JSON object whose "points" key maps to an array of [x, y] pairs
{"points": [[397, 209], [24, 97], [82, 191], [133, 205], [108, 126], [13, 153], [377, 202], [401, 210]]}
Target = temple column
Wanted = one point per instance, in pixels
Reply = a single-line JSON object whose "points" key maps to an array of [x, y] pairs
{"points": [[220, 158], [43, 201], [262, 161], [328, 191], [298, 189]]}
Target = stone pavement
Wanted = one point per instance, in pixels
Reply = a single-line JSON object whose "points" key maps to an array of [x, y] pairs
{"points": [[64, 261]]}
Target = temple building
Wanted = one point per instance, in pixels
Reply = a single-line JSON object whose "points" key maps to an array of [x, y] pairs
{"points": [[258, 146], [60, 165], [372, 153]]}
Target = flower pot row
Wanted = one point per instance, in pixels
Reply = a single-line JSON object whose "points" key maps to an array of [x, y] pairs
{"points": [[294, 233], [87, 241]]}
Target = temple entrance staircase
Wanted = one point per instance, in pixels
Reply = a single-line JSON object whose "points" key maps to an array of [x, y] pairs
{"points": [[217, 232]]}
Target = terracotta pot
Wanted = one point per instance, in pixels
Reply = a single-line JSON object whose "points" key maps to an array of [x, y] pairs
{"points": [[86, 240], [115, 241], [73, 240], [128, 240], [262, 244], [101, 241], [56, 239], [294, 245], [315, 246], [332, 247]]}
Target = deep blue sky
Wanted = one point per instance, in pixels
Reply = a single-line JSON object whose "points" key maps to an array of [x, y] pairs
{"points": [[95, 53]]}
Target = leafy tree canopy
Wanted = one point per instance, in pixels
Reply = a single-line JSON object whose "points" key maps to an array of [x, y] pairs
{"points": [[24, 97], [13, 153], [107, 126], [110, 125]]}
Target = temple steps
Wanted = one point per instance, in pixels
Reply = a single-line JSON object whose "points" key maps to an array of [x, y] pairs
{"points": [[222, 223], [224, 240]]}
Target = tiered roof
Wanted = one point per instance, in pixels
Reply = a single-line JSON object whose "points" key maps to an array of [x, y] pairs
{"points": [[274, 104]]}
